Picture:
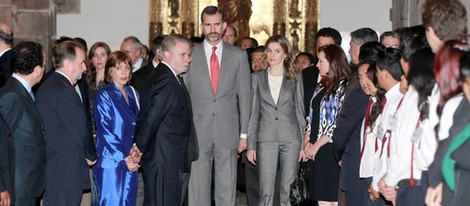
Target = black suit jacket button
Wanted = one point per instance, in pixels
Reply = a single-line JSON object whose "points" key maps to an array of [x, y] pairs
{"points": [[275, 108], [214, 114], [276, 118]]}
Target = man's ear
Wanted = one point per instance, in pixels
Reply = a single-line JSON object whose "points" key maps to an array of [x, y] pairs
{"points": [[224, 26], [385, 74], [432, 32], [37, 69], [66, 63]]}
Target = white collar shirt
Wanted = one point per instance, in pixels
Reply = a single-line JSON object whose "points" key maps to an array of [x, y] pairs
{"points": [[369, 155], [208, 52], [393, 99]]}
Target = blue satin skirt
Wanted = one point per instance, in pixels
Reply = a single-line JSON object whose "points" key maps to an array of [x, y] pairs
{"points": [[116, 186]]}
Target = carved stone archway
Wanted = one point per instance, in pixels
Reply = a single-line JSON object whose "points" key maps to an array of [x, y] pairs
{"points": [[296, 19]]}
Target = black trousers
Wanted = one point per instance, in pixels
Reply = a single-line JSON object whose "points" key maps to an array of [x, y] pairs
{"points": [[164, 185], [62, 197]]}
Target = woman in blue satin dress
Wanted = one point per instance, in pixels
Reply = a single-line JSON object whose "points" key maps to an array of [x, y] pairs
{"points": [[115, 111]]}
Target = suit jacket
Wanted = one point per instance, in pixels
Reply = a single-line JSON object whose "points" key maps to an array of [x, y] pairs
{"points": [[223, 116], [68, 138], [5, 67], [7, 153], [460, 119], [24, 121], [84, 92], [2, 78], [139, 77], [275, 122], [347, 139], [167, 136]]}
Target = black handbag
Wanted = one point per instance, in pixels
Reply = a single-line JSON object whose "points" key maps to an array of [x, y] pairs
{"points": [[299, 188]]}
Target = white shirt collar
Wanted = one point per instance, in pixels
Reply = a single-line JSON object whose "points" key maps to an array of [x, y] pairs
{"points": [[169, 67], [393, 91], [137, 65], [208, 49], [154, 63], [22, 81], [3, 52]]}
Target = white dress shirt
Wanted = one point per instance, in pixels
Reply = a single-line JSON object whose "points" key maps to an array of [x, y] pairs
{"points": [[385, 122], [208, 51], [369, 156], [428, 144], [275, 83], [447, 116], [404, 141], [137, 65]]}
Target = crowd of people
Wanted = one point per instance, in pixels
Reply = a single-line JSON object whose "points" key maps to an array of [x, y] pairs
{"points": [[166, 125]]}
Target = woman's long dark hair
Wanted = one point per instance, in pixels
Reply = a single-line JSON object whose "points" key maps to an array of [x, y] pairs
{"points": [[421, 76], [339, 67], [377, 107], [91, 74]]}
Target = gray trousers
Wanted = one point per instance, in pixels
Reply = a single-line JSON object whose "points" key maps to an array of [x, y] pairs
{"points": [[224, 162], [273, 157]]}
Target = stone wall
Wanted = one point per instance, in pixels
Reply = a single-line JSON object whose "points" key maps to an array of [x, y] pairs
{"points": [[32, 20]]}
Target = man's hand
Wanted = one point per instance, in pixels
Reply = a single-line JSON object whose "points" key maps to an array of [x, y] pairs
{"points": [[373, 195], [389, 192], [434, 195], [5, 198], [242, 145], [90, 163]]}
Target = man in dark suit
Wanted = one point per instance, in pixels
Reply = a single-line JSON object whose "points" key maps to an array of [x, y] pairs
{"points": [[19, 111], [133, 47], [7, 170], [141, 75], [167, 136], [70, 148], [6, 42], [347, 145], [138, 82]]}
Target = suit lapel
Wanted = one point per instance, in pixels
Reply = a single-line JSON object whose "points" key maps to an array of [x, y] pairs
{"points": [[266, 87], [224, 61], [201, 63], [284, 88], [16, 85], [27, 99]]}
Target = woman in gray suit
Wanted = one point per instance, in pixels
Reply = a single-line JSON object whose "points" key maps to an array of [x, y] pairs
{"points": [[276, 121]]}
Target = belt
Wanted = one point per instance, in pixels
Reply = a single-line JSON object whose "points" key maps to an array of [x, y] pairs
{"points": [[406, 183]]}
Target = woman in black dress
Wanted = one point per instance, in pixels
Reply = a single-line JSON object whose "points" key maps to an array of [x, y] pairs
{"points": [[325, 106]]}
